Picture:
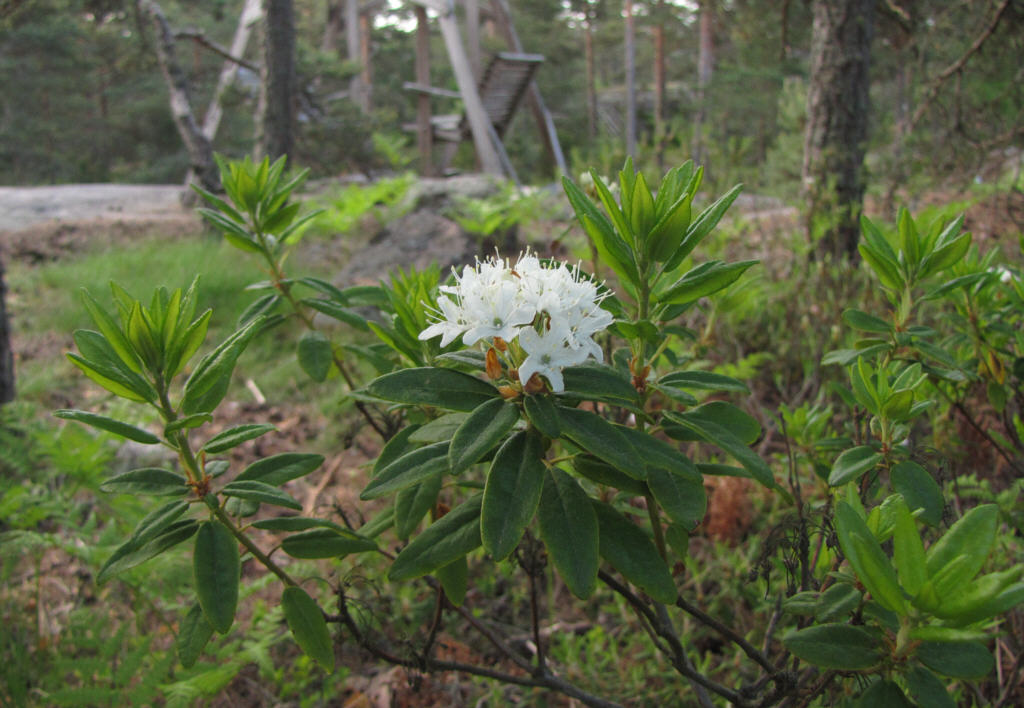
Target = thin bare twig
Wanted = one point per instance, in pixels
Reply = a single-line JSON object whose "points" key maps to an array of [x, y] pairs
{"points": [[201, 39]]}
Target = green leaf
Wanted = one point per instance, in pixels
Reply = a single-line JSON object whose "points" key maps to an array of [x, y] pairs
{"points": [[217, 568], [705, 279], [233, 437], [568, 527], [432, 386], [512, 493], [413, 502], [315, 355], [886, 270], [147, 480], [883, 694], [208, 384], [294, 523], [101, 364], [454, 579], [439, 429], [667, 235], [543, 414], [597, 436], [338, 312], [631, 552], [973, 536], [908, 551], [193, 635], [865, 322], [683, 500], [597, 382], [133, 553], [188, 422], [407, 470], [113, 333], [837, 602], [446, 540], [601, 472], [870, 564], [332, 542], [261, 492], [926, 689], [710, 431], [278, 469], [261, 306], [852, 464], [963, 660], [480, 432], [702, 225], [704, 381], [308, 626], [110, 425], [835, 646]]}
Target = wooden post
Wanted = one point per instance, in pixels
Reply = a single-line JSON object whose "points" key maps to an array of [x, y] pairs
{"points": [[630, 80], [473, 36], [545, 124], [479, 123], [424, 131]]}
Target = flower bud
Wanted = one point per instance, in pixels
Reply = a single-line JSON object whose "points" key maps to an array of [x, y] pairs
{"points": [[493, 365]]}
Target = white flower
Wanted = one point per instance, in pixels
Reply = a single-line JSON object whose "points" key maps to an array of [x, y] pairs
{"points": [[498, 311], [451, 324], [546, 353]]}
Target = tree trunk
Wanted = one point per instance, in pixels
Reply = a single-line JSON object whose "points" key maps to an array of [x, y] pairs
{"points": [[588, 53], [200, 152], [705, 66], [630, 80], [276, 113], [251, 13], [658, 30], [6, 356], [837, 122], [366, 73]]}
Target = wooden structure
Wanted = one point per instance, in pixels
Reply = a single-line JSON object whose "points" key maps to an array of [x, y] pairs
{"points": [[490, 103]]}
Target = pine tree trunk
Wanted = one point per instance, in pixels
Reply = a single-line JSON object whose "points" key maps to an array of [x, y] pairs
{"points": [[275, 118], [705, 64], [6, 356], [837, 122], [630, 58], [588, 53]]}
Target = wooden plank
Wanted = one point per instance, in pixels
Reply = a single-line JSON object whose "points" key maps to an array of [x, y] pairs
{"points": [[417, 87]]}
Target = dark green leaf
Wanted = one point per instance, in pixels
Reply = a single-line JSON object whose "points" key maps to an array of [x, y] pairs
{"points": [[208, 384], [480, 433], [446, 540], [512, 493], [543, 414], [601, 472], [432, 386], [101, 363], [407, 470], [412, 503], [837, 602], [712, 432], [294, 523], [835, 646], [926, 689], [703, 380], [278, 469], [963, 660], [568, 527], [867, 558], [683, 500], [852, 464], [972, 536], [883, 694], [725, 415], [454, 579], [260, 306], [132, 553], [439, 429], [217, 567], [188, 422], [308, 626], [233, 437], [865, 322], [338, 312], [315, 355], [705, 279], [702, 225], [261, 492], [326, 543], [596, 382], [597, 436], [147, 480], [631, 552], [193, 635]]}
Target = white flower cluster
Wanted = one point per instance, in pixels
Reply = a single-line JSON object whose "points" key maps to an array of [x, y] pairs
{"points": [[554, 311]]}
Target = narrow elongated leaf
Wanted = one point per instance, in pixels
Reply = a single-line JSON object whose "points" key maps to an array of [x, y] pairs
{"points": [[193, 635], [446, 540], [852, 464], [338, 312], [147, 480], [725, 415], [655, 453], [702, 225], [705, 279], [865, 322], [295, 523], [568, 527], [908, 551], [512, 493], [315, 355], [963, 660], [110, 425], [308, 626], [100, 362], [407, 470], [110, 329], [598, 382], [683, 499], [278, 469], [261, 306], [234, 437], [835, 646], [543, 414], [332, 542], [412, 503], [601, 472], [217, 567], [926, 689], [883, 694], [599, 437], [261, 492], [432, 386], [158, 520], [187, 423], [454, 579], [867, 559], [704, 381], [973, 536], [712, 432], [631, 552], [208, 384], [480, 432], [132, 553]]}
